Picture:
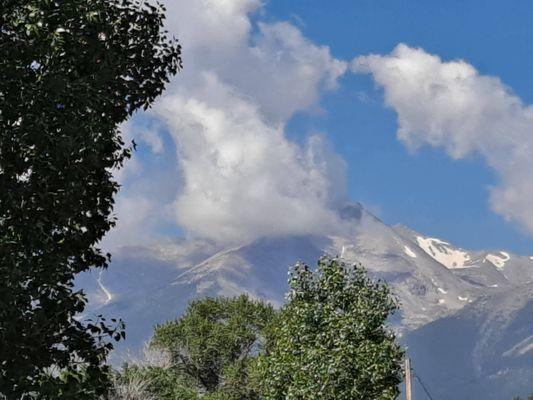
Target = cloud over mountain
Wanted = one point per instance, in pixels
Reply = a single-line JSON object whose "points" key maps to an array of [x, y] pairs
{"points": [[243, 179], [449, 105], [239, 176]]}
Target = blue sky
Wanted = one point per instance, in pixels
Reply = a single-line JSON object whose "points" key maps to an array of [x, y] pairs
{"points": [[230, 150], [426, 190]]}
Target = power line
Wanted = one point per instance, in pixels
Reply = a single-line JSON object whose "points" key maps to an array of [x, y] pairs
{"points": [[423, 386]]}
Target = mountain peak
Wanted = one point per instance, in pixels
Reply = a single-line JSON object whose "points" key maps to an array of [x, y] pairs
{"points": [[432, 279]]}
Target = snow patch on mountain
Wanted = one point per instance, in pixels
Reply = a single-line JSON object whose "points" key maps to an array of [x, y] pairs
{"points": [[108, 296], [409, 252], [443, 253], [520, 348], [498, 260]]}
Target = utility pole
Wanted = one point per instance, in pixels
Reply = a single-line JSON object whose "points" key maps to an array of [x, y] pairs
{"points": [[408, 393]]}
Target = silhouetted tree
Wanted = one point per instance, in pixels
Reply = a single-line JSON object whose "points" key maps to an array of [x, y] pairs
{"points": [[71, 71]]}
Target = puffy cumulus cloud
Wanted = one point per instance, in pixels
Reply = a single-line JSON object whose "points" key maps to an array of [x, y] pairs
{"points": [[212, 26], [451, 106], [243, 178], [273, 65], [239, 176]]}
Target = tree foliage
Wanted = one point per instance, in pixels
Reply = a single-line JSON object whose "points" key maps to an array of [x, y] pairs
{"points": [[159, 382], [71, 71], [212, 344], [330, 341]]}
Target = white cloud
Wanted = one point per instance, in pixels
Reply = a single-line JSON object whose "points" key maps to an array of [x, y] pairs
{"points": [[273, 65], [451, 106], [136, 223], [241, 178]]}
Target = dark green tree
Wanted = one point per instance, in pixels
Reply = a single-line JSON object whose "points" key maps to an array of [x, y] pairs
{"points": [[212, 345], [71, 71], [330, 341]]}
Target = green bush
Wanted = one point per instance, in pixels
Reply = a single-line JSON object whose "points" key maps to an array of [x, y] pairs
{"points": [[210, 348], [330, 341]]}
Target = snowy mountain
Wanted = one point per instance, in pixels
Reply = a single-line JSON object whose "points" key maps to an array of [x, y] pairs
{"points": [[484, 351], [453, 301]]}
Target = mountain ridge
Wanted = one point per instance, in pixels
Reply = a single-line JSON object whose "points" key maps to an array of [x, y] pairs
{"points": [[146, 286]]}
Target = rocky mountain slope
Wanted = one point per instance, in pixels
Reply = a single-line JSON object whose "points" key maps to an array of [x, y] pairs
{"points": [[464, 315], [484, 351]]}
